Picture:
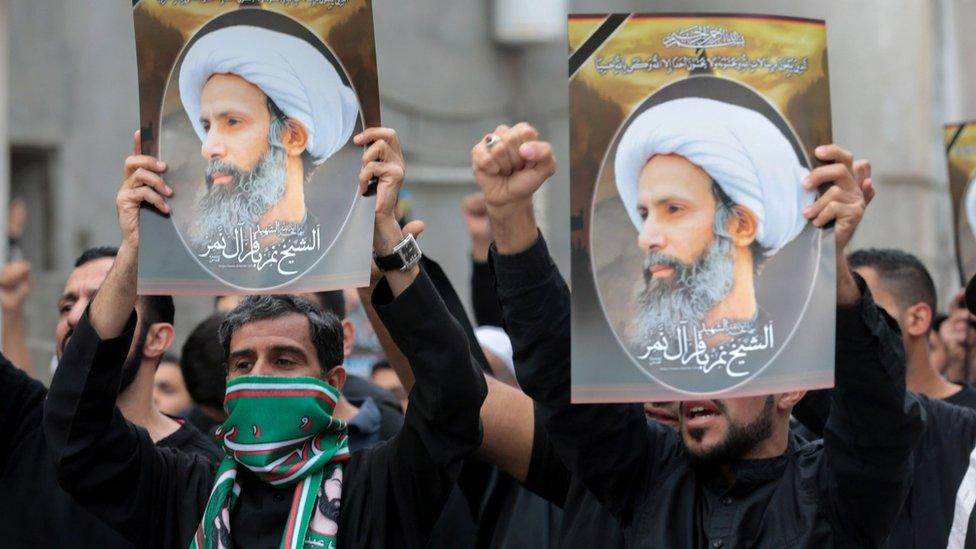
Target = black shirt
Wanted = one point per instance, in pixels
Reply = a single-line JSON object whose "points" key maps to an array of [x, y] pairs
{"points": [[845, 491], [34, 510], [392, 492], [966, 397]]}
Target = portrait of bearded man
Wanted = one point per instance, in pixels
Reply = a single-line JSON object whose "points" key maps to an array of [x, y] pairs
{"points": [[714, 190], [269, 108]]}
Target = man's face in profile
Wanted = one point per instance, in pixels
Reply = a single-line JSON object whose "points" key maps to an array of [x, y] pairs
{"points": [[246, 169], [687, 267]]}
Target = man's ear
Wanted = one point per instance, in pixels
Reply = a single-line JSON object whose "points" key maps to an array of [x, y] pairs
{"points": [[159, 339], [294, 137], [336, 377], [786, 401], [742, 226], [918, 319], [348, 336]]}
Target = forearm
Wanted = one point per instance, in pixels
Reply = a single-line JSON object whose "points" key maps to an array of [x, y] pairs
{"points": [[848, 292], [15, 340], [116, 297], [394, 356], [80, 414], [514, 227], [508, 429], [449, 389]]}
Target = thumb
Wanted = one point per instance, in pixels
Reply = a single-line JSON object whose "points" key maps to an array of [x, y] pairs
{"points": [[414, 228], [539, 158]]}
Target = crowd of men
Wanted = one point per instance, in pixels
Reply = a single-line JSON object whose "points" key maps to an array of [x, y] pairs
{"points": [[255, 435]]}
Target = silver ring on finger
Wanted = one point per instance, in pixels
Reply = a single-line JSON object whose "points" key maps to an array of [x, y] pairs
{"points": [[491, 140]]}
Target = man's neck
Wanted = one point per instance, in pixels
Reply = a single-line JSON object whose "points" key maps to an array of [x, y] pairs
{"points": [[345, 410], [136, 404], [921, 376], [291, 208]]}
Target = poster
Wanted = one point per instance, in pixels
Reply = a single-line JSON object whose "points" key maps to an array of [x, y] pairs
{"points": [[960, 143], [253, 106], [694, 271]]}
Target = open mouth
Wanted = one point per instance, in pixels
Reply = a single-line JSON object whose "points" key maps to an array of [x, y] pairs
{"points": [[697, 414], [661, 415]]}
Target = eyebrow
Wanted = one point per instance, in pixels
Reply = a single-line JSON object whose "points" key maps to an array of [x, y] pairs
{"points": [[224, 114], [289, 349]]}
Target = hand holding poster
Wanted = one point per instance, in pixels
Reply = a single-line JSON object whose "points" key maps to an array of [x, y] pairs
{"points": [[695, 271], [960, 142], [253, 110]]}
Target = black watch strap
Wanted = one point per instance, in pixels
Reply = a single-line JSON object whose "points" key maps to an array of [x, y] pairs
{"points": [[406, 254]]}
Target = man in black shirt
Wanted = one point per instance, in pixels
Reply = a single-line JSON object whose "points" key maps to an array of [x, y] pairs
{"points": [[695, 488], [902, 286], [34, 510], [391, 493]]}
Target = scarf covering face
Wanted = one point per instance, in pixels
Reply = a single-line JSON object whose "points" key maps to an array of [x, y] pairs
{"points": [[283, 430]]}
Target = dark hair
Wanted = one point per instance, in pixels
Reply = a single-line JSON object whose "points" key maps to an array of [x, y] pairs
{"points": [[203, 363], [98, 252], [901, 274], [325, 330], [938, 319], [379, 366], [155, 308], [170, 357], [333, 301]]}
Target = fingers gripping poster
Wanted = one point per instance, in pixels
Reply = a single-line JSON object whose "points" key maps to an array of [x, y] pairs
{"points": [[253, 107], [694, 270]]}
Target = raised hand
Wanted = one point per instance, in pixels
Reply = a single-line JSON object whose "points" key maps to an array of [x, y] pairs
{"points": [[142, 183], [844, 202], [383, 160], [509, 166], [479, 227]]}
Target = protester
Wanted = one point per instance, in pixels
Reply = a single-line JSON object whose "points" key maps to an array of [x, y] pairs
{"points": [[733, 476], [169, 389], [34, 510], [205, 373], [902, 286], [957, 334], [391, 494], [384, 376]]}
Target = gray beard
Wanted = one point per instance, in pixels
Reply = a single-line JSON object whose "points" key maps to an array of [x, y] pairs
{"points": [[685, 297], [223, 208]]}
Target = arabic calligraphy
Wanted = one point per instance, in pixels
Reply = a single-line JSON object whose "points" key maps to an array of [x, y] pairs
{"points": [[703, 36], [789, 66], [687, 347], [244, 248], [329, 3]]}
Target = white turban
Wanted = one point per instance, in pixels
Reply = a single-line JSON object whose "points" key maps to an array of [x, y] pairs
{"points": [[971, 206], [749, 158], [496, 341], [289, 70]]}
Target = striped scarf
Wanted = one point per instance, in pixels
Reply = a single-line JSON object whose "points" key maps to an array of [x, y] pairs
{"points": [[282, 429]]}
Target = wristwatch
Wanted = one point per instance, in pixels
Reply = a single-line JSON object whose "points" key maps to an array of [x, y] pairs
{"points": [[405, 255]]}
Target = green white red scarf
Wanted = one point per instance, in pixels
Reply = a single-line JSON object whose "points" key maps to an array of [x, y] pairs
{"points": [[283, 430]]}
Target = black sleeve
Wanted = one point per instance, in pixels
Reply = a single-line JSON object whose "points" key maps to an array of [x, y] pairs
{"points": [[812, 411], [154, 497], [873, 427], [547, 476], [487, 311], [442, 425], [21, 402], [610, 448]]}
